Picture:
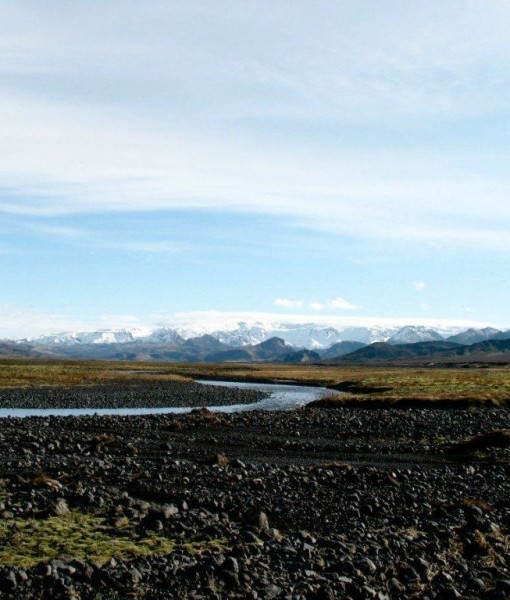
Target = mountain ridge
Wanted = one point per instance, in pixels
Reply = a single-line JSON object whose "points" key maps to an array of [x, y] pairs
{"points": [[310, 335]]}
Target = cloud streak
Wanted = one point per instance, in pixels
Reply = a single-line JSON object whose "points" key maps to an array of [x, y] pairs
{"points": [[337, 303], [96, 240], [176, 171], [334, 304], [288, 303]]}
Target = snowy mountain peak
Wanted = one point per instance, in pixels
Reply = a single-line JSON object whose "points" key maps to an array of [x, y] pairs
{"points": [[106, 336], [164, 335], [413, 334], [297, 331], [473, 336]]}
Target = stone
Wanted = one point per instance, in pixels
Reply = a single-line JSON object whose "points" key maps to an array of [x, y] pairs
{"points": [[230, 564], [263, 521], [60, 507]]}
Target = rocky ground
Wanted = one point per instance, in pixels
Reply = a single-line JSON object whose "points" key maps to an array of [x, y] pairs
{"points": [[312, 504], [155, 394]]}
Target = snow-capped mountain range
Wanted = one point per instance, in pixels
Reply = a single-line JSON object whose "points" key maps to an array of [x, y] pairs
{"points": [[234, 330]]}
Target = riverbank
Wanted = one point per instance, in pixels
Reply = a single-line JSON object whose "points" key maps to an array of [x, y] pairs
{"points": [[311, 503]]}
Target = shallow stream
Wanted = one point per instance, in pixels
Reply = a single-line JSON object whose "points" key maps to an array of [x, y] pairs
{"points": [[280, 397]]}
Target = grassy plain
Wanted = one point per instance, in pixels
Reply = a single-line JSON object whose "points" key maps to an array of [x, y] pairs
{"points": [[68, 373], [387, 385]]}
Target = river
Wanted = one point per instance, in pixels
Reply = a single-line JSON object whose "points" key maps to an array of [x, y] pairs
{"points": [[281, 397]]}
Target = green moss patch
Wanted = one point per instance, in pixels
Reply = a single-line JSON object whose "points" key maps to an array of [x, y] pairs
{"points": [[83, 536]]}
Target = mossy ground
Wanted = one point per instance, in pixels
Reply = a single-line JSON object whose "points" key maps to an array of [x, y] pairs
{"points": [[82, 536]]}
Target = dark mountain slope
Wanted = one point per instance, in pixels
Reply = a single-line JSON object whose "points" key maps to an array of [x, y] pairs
{"points": [[502, 335], [8, 350], [301, 356], [385, 352], [341, 349], [427, 352], [489, 350], [474, 336], [272, 349], [205, 344]]}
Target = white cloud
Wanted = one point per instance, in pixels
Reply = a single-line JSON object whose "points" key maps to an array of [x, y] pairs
{"points": [[317, 306], [288, 303], [341, 303], [213, 320], [26, 322], [335, 304], [18, 321], [419, 286]]}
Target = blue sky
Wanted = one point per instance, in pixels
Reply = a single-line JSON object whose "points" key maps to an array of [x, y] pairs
{"points": [[343, 158]]}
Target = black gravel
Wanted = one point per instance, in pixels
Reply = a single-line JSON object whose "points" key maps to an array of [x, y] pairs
{"points": [[127, 395], [313, 504]]}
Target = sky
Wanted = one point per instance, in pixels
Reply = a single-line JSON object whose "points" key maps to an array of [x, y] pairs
{"points": [[314, 157]]}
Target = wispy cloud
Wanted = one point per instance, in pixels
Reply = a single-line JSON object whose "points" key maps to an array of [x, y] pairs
{"points": [[334, 304], [89, 166], [18, 321], [58, 231], [148, 247], [96, 239], [101, 140], [419, 286], [288, 303]]}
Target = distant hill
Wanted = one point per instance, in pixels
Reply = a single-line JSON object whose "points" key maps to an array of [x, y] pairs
{"points": [[488, 351], [204, 343], [474, 336], [12, 350], [341, 349], [131, 351], [380, 351], [501, 335], [205, 348], [385, 352], [427, 352], [302, 356], [273, 349]]}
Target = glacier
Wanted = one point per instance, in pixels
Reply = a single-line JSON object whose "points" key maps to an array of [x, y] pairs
{"points": [[241, 329]]}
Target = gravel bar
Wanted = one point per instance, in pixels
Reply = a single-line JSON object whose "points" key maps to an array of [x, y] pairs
{"points": [[313, 504], [128, 395]]}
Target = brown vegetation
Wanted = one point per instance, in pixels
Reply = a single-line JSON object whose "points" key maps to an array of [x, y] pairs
{"points": [[492, 439]]}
